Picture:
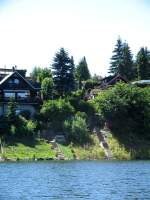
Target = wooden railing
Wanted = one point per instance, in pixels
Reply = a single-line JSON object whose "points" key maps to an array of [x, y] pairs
{"points": [[22, 100]]}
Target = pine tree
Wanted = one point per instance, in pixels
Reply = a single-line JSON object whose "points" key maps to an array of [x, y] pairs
{"points": [[63, 72], [116, 59], [122, 61], [11, 112], [143, 64], [71, 76], [82, 71], [127, 69]]}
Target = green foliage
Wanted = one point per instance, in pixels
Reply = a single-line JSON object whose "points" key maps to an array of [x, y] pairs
{"points": [[31, 127], [82, 115], [82, 71], [89, 151], [127, 69], [25, 128], [39, 74], [90, 84], [76, 130], [118, 150], [143, 64], [11, 112], [55, 112], [116, 58], [40, 150], [86, 109], [63, 72], [47, 88], [122, 61], [127, 109], [67, 151]]}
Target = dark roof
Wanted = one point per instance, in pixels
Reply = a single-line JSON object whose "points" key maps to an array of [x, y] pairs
{"points": [[111, 80], [33, 85]]}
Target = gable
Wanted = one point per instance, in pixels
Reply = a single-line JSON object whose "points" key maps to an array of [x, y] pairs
{"points": [[16, 81]]}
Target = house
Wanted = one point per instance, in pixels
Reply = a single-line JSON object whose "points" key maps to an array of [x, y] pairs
{"points": [[14, 84], [105, 83], [111, 80]]}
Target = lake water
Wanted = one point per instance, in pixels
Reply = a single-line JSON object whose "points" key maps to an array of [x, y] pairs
{"points": [[71, 180]]}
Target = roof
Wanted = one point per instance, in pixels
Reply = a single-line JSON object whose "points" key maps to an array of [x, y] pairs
{"points": [[6, 77], [110, 80], [35, 86]]}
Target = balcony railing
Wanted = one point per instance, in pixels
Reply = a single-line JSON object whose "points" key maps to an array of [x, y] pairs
{"points": [[34, 100]]}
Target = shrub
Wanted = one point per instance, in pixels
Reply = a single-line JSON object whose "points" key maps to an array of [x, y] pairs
{"points": [[76, 130], [56, 112], [126, 108]]}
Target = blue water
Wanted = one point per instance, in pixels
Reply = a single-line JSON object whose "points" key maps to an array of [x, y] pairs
{"points": [[95, 180]]}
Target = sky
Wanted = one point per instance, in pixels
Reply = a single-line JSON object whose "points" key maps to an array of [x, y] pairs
{"points": [[32, 31]]}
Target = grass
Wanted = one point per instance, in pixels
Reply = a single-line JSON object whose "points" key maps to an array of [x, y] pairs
{"points": [[27, 149], [41, 150], [119, 152], [67, 151], [91, 151]]}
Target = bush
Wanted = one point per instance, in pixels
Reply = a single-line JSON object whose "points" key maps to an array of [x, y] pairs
{"points": [[25, 128], [76, 130], [126, 108], [89, 84], [56, 112]]}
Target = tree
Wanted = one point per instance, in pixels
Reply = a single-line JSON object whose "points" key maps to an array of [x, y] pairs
{"points": [[56, 112], [122, 61], [82, 71], [47, 88], [116, 59], [63, 72], [76, 130], [143, 64], [126, 109], [11, 112], [38, 74], [127, 69]]}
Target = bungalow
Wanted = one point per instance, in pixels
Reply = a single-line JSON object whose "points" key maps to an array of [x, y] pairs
{"points": [[14, 84], [105, 84], [111, 80]]}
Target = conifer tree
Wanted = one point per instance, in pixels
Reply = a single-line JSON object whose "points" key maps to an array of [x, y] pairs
{"points": [[63, 72], [82, 71], [143, 64], [116, 59], [127, 69], [122, 61]]}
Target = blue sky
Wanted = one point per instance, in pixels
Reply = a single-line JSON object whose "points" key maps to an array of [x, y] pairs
{"points": [[31, 31]]}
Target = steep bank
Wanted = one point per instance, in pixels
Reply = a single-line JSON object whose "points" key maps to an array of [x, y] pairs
{"points": [[42, 150]]}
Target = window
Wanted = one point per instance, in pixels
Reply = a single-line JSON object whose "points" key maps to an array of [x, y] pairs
{"points": [[16, 81], [10, 81], [22, 95], [9, 94], [13, 81]]}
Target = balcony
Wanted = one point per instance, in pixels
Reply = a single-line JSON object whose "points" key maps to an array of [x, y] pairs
{"points": [[27, 100]]}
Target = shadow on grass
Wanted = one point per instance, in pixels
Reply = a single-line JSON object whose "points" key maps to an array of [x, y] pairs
{"points": [[26, 140], [138, 144]]}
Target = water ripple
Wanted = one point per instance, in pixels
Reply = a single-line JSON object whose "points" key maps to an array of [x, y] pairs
{"points": [[95, 180]]}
